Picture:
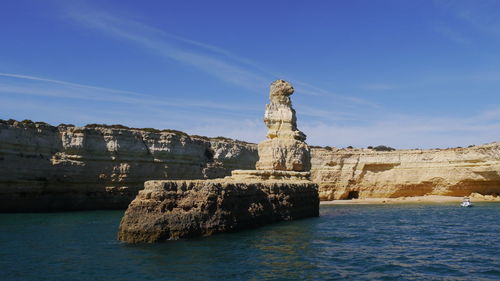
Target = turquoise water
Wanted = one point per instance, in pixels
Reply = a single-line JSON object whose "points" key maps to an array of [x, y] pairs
{"points": [[348, 242]]}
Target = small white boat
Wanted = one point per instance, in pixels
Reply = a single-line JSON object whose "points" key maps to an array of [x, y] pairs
{"points": [[466, 202]]}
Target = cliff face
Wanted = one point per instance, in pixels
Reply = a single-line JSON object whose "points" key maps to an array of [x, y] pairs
{"points": [[363, 173], [179, 209], [43, 167]]}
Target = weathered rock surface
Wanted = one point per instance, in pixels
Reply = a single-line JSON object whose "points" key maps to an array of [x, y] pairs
{"points": [[43, 167], [278, 190], [284, 149], [180, 209], [269, 175], [365, 173]]}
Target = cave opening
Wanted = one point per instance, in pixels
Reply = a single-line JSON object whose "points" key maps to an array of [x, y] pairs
{"points": [[353, 194]]}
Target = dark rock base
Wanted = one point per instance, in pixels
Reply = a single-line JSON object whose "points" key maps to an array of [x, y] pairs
{"points": [[32, 197], [167, 210]]}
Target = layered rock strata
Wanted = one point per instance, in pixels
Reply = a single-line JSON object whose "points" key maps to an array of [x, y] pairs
{"points": [[181, 209], [285, 148], [278, 190], [47, 168], [365, 173]]}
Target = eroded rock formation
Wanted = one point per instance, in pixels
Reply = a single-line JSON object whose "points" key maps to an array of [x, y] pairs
{"points": [[180, 209], [365, 173], [278, 190], [284, 149], [43, 167]]}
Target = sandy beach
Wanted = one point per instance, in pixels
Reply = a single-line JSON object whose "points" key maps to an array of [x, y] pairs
{"points": [[415, 199]]}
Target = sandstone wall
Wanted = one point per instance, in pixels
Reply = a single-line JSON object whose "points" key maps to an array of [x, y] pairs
{"points": [[43, 167], [180, 209], [363, 173]]}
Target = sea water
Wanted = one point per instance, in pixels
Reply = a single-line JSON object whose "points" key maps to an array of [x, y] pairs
{"points": [[347, 242]]}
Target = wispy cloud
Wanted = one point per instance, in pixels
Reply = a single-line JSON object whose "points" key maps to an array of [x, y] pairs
{"points": [[57, 101], [452, 34], [347, 101], [407, 131], [330, 115], [242, 121], [204, 57], [35, 86], [213, 60], [379, 86], [325, 128], [492, 114], [20, 84], [485, 76], [480, 15]]}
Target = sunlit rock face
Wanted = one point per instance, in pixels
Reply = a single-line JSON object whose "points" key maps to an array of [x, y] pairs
{"points": [[278, 190], [365, 173], [284, 149], [48, 168]]}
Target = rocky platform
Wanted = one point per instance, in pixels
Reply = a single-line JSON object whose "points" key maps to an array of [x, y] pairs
{"points": [[167, 210]]}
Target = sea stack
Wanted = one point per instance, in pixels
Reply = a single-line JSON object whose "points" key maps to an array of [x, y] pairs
{"points": [[284, 154], [278, 190], [285, 148]]}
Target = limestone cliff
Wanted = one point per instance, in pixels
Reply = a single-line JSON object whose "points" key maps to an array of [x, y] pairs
{"points": [[43, 167], [364, 173]]}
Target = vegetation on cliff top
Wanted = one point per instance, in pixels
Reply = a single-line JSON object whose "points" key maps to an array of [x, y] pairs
{"points": [[24, 122], [383, 148]]}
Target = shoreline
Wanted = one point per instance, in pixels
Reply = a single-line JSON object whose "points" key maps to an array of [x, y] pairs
{"points": [[414, 199]]}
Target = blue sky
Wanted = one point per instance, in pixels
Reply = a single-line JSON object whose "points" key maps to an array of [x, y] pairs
{"points": [[409, 74]]}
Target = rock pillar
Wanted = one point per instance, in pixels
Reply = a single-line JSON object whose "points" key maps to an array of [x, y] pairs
{"points": [[278, 190], [284, 149]]}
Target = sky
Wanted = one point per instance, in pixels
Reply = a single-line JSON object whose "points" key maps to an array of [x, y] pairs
{"points": [[407, 74]]}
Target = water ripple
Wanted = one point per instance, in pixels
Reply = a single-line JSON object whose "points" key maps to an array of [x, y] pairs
{"points": [[348, 242]]}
